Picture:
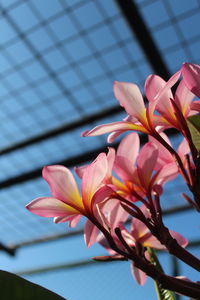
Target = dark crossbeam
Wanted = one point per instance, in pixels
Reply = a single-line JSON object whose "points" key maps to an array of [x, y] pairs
{"points": [[141, 32], [70, 162], [64, 128]]}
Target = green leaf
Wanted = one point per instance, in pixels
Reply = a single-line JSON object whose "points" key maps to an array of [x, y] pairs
{"points": [[193, 123], [17, 288], [162, 294]]}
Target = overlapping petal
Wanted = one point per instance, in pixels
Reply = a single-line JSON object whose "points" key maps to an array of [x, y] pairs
{"points": [[93, 177], [146, 162], [62, 184], [51, 207], [130, 97], [191, 77], [140, 276], [90, 233], [183, 98], [117, 127], [127, 153]]}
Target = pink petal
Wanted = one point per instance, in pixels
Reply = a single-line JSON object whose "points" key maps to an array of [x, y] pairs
{"points": [[160, 101], [113, 135], [164, 156], [126, 156], [80, 170], [191, 77], [129, 147], [111, 159], [73, 220], [62, 184], [115, 126], [138, 228], [93, 177], [179, 238], [130, 97], [104, 243], [183, 98], [138, 275], [183, 149], [195, 106], [160, 123], [153, 85], [51, 207], [101, 194], [116, 213], [152, 242], [90, 233], [146, 162], [167, 86], [166, 173], [124, 168]]}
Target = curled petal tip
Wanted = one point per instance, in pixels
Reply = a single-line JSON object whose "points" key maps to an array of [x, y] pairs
{"points": [[85, 133]]}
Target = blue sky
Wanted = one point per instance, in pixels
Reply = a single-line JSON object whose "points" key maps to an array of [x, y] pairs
{"points": [[58, 61]]}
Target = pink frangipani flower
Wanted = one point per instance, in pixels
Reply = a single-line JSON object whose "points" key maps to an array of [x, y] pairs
{"points": [[130, 97], [66, 203], [139, 171], [160, 97]]}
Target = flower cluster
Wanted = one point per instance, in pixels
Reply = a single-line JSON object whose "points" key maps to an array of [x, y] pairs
{"points": [[126, 185]]}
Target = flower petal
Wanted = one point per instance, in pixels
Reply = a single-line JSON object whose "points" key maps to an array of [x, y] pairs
{"points": [[183, 149], [80, 170], [73, 220], [146, 162], [138, 275], [113, 135], [161, 101], [114, 212], [164, 156], [124, 168], [153, 85], [195, 105], [127, 153], [116, 127], [166, 173], [181, 240], [101, 194], [50, 207], [129, 147], [90, 233], [93, 177], [111, 159], [191, 77], [130, 97], [62, 184], [183, 97]]}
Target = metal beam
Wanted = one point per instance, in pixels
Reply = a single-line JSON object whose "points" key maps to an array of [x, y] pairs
{"points": [[63, 129], [77, 264], [70, 162], [141, 32]]}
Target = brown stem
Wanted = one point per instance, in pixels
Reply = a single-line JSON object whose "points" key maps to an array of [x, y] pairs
{"points": [[184, 287], [163, 235]]}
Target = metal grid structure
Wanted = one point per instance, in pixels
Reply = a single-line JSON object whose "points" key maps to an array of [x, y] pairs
{"points": [[57, 63]]}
